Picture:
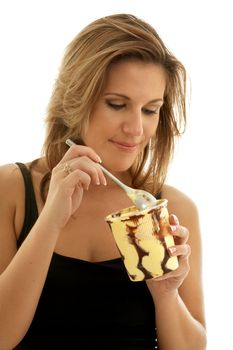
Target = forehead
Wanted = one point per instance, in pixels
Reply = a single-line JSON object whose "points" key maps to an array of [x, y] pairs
{"points": [[136, 76]]}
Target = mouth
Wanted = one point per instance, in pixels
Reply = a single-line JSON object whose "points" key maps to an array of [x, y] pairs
{"points": [[125, 146]]}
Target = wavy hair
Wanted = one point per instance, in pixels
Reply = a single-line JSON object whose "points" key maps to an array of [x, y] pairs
{"points": [[80, 82]]}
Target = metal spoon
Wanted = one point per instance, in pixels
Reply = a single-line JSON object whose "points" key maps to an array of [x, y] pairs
{"points": [[141, 199]]}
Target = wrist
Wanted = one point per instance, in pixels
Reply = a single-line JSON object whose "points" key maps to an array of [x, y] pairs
{"points": [[46, 224], [165, 297]]}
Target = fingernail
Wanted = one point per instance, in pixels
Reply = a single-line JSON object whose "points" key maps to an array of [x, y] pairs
{"points": [[175, 218], [172, 250], [173, 228], [99, 159]]}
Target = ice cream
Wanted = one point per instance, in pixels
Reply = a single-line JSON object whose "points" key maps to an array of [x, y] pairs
{"points": [[142, 238]]}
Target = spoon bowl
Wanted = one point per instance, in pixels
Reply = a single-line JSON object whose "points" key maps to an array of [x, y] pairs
{"points": [[141, 199]]}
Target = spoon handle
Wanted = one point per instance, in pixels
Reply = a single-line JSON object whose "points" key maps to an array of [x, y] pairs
{"points": [[115, 179]]}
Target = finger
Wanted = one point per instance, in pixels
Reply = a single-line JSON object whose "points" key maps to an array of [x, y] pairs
{"points": [[165, 276], [101, 175], [174, 223], [78, 150], [78, 178], [179, 273], [173, 219], [180, 250], [180, 232], [87, 165]]}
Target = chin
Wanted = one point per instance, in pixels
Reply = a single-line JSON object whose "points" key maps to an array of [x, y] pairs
{"points": [[118, 166]]}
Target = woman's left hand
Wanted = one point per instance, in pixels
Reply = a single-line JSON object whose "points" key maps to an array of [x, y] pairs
{"points": [[171, 281]]}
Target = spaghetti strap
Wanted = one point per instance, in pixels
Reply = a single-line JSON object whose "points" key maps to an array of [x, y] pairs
{"points": [[31, 210]]}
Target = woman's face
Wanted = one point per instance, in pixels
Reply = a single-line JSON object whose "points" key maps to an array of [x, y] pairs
{"points": [[126, 115]]}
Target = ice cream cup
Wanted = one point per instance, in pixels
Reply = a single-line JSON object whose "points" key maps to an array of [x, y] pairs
{"points": [[142, 238]]}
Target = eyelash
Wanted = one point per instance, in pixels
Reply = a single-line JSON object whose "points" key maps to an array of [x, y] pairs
{"points": [[118, 107], [149, 111], [115, 106]]}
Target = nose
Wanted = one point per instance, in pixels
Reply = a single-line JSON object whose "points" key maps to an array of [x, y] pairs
{"points": [[133, 124]]}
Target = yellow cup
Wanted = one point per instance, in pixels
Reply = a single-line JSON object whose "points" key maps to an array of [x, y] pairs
{"points": [[142, 238]]}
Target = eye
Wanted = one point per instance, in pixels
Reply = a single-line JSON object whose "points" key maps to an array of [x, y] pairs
{"points": [[115, 106], [150, 111]]}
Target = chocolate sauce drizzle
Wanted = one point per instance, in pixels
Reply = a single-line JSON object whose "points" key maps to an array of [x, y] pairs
{"points": [[140, 251], [159, 233], [133, 240]]}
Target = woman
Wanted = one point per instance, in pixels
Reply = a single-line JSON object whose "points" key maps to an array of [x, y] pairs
{"points": [[120, 96]]}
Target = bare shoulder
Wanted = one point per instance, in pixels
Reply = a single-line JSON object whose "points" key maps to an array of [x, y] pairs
{"points": [[180, 204], [10, 178], [8, 169], [177, 198], [10, 174]]}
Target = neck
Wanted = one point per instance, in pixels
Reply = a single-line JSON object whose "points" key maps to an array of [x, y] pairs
{"points": [[124, 177]]}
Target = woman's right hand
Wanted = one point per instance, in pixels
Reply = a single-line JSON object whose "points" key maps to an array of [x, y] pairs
{"points": [[66, 187]]}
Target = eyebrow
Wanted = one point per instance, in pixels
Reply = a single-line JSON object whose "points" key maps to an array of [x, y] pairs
{"points": [[127, 98]]}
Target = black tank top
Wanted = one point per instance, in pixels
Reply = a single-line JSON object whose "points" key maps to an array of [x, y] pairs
{"points": [[86, 305]]}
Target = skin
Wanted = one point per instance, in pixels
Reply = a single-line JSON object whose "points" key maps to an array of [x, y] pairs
{"points": [[123, 121], [124, 118]]}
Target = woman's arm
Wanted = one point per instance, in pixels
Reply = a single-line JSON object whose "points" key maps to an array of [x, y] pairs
{"points": [[23, 271], [178, 295]]}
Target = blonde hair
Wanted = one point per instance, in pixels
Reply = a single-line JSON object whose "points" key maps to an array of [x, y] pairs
{"points": [[80, 82]]}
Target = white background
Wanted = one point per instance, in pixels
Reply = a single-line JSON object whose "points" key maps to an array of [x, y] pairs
{"points": [[33, 35]]}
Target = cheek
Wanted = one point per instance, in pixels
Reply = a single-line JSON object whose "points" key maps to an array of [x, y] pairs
{"points": [[150, 128]]}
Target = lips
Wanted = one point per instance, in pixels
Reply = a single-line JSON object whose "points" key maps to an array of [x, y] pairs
{"points": [[125, 145]]}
